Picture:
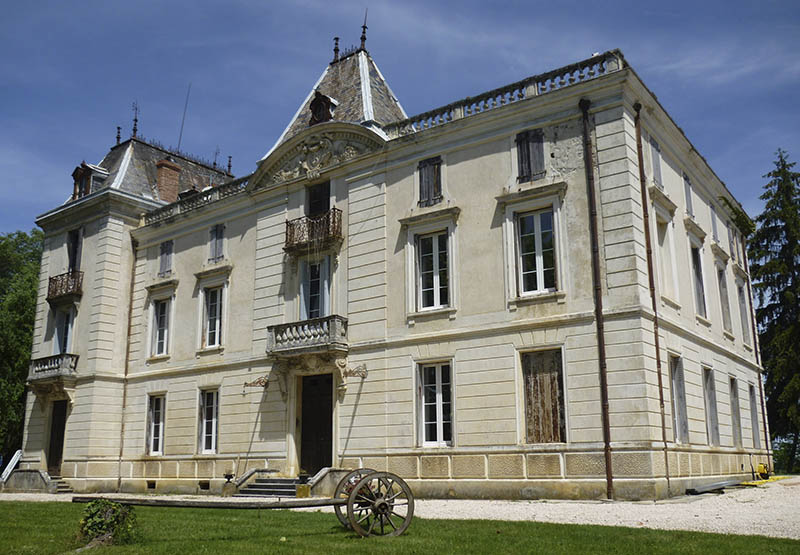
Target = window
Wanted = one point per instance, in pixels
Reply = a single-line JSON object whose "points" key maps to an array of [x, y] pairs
{"points": [[430, 181], [74, 240], [754, 417], [212, 331], [697, 275], [732, 242], [315, 288], [435, 402], [156, 410], [63, 331], [209, 414], [536, 264], [543, 379], [736, 417], [432, 269], [687, 189], [710, 394], [160, 341], [714, 230], [216, 236], [165, 259], [665, 258], [318, 199], [530, 155], [680, 422], [743, 315], [723, 299], [655, 155]]}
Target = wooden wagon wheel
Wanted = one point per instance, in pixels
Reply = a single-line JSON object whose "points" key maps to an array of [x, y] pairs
{"points": [[343, 490], [381, 504]]}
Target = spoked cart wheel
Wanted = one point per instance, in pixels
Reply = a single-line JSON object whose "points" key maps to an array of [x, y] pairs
{"points": [[343, 490], [380, 504]]}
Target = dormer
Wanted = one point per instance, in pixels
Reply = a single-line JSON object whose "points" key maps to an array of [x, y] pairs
{"points": [[87, 178]]}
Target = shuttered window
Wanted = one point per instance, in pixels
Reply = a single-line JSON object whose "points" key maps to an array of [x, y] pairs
{"points": [[754, 417], [530, 155], [543, 379], [215, 238], [165, 259], [430, 181], [710, 394], [736, 417], [680, 421], [699, 292], [655, 155], [687, 190]]}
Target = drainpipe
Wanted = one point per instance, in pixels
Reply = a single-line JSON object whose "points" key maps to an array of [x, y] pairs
{"points": [[756, 348], [598, 291], [134, 245], [652, 284]]}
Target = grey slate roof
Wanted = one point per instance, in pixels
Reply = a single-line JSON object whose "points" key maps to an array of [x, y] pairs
{"points": [[342, 81]]}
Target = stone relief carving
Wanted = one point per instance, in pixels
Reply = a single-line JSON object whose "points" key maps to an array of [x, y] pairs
{"points": [[566, 148]]}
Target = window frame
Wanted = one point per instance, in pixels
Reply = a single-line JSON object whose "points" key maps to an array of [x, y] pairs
{"points": [[656, 174], [74, 249], [203, 421], [668, 283], [724, 297], [441, 440], [696, 244], [444, 220], [154, 325], [522, 389], [680, 416], [530, 150], [304, 286], [436, 271], [736, 412], [744, 313], [710, 399], [151, 424], [688, 195], [538, 252], [756, 434], [422, 168], [63, 323]]}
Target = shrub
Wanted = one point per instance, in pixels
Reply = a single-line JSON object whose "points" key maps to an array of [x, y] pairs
{"points": [[107, 522]]}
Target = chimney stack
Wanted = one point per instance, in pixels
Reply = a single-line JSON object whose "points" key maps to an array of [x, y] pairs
{"points": [[168, 182]]}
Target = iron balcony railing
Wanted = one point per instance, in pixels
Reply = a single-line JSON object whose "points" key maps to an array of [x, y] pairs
{"points": [[64, 285], [317, 335], [314, 232], [56, 366]]}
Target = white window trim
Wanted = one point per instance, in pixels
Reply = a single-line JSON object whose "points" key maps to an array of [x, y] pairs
{"points": [[214, 423], [744, 313], [665, 216], [151, 318], [327, 261], [222, 282], [447, 224], [513, 295], [442, 175], [70, 310], [520, 391], [420, 412], [718, 267], [150, 423], [676, 433], [695, 242]]}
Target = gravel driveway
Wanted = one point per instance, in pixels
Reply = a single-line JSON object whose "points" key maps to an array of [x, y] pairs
{"points": [[769, 510]]}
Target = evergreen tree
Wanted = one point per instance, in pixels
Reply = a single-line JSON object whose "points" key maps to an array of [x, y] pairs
{"points": [[775, 254], [20, 254]]}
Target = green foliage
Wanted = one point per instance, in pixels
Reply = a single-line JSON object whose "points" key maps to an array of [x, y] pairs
{"points": [[775, 254], [20, 254], [740, 218], [107, 522], [785, 456]]}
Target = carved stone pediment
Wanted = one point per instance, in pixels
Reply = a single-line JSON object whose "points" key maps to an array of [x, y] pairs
{"points": [[314, 154]]}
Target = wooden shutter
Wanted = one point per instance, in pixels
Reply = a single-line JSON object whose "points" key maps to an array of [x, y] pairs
{"points": [[430, 181], [544, 400], [523, 157], [536, 144], [655, 155]]}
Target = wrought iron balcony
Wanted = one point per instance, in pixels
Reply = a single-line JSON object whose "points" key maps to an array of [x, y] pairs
{"points": [[318, 335], [309, 233], [52, 368], [65, 285]]}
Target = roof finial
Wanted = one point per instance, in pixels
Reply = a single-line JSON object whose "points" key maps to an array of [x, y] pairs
{"points": [[229, 163], [364, 31], [119, 130], [135, 118], [335, 49]]}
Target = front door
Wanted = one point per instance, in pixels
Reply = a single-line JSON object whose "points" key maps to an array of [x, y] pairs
{"points": [[58, 421], [316, 444]]}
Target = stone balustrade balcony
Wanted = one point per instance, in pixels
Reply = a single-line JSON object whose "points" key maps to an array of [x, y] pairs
{"points": [[53, 368], [315, 336], [64, 286], [314, 233]]}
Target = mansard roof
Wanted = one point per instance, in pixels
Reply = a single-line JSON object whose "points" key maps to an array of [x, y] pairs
{"points": [[359, 94]]}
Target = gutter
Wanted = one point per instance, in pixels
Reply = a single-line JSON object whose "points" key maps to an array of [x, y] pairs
{"points": [[651, 282], [598, 292], [134, 244]]}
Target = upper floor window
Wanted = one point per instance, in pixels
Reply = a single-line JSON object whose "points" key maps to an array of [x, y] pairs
{"points": [[433, 270], [74, 244], [697, 277], [723, 299], [714, 231], [666, 259], [536, 264], [314, 288], [318, 199], [687, 190], [655, 156], [430, 181], [160, 341], [530, 155], [215, 241], [64, 318], [435, 404], [743, 312], [212, 328], [732, 242], [165, 259]]}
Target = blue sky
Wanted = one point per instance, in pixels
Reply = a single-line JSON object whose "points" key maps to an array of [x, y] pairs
{"points": [[727, 72]]}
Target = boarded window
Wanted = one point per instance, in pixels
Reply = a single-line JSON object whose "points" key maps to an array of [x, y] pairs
{"points": [[430, 181], [544, 397], [530, 155]]}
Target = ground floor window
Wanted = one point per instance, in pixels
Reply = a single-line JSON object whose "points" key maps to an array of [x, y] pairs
{"points": [[543, 378], [209, 413], [435, 401], [680, 421], [155, 428]]}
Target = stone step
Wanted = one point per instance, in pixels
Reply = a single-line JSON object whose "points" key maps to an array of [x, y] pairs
{"points": [[270, 487]]}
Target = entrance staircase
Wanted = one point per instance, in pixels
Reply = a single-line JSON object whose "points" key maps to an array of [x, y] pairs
{"points": [[61, 485], [270, 487]]}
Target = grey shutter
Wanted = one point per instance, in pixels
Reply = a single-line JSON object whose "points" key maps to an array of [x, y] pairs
{"points": [[424, 185], [536, 144], [655, 154], [523, 157]]}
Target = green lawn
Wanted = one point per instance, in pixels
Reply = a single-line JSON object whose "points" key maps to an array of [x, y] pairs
{"points": [[51, 528]]}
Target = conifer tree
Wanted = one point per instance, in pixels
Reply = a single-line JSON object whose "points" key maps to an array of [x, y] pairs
{"points": [[775, 270]]}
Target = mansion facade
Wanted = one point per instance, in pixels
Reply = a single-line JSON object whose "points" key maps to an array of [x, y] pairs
{"points": [[539, 291]]}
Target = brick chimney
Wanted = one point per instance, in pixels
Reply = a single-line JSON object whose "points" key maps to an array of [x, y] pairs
{"points": [[167, 180]]}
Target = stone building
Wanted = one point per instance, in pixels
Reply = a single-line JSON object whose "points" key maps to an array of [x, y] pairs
{"points": [[539, 291]]}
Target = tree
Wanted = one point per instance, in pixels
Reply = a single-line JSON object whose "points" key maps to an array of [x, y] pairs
{"points": [[20, 255], [775, 253]]}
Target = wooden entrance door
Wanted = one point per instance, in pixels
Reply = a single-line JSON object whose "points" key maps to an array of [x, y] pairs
{"points": [[316, 444], [58, 421]]}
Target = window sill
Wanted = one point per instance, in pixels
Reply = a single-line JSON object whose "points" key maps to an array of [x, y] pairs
{"points": [[702, 320], [433, 313], [210, 350], [728, 335], [533, 298], [719, 252], [739, 271], [660, 197], [748, 347], [692, 227], [157, 358], [436, 446], [669, 302]]}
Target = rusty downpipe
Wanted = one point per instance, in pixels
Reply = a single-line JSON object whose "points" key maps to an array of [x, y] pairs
{"points": [[598, 291], [134, 246], [652, 283]]}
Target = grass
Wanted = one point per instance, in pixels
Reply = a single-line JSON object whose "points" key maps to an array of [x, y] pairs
{"points": [[51, 528]]}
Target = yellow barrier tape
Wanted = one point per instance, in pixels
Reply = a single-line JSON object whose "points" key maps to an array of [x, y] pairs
{"points": [[762, 482]]}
